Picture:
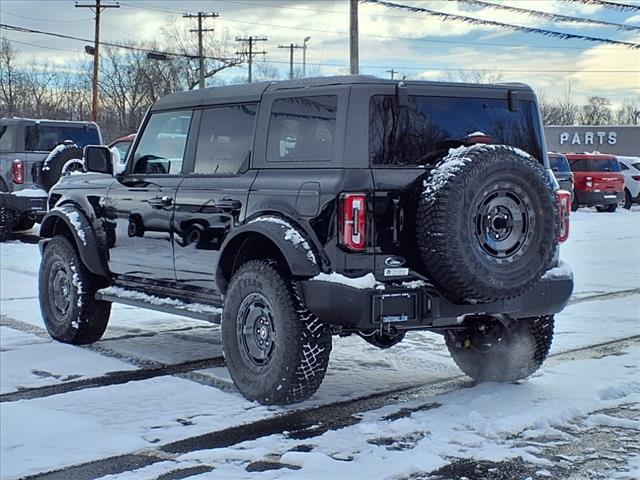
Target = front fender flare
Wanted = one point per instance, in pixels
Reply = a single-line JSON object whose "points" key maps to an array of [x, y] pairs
{"points": [[83, 234]]}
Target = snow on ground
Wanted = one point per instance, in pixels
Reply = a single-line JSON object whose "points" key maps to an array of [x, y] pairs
{"points": [[485, 422]]}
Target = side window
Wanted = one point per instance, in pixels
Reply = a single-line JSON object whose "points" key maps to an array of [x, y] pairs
{"points": [[225, 139], [161, 147], [623, 166], [302, 129], [7, 132]]}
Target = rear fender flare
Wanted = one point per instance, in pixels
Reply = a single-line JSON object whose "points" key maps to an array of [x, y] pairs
{"points": [[296, 247]]}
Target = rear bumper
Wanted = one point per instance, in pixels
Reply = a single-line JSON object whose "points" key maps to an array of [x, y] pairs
{"points": [[599, 198], [28, 205], [406, 308]]}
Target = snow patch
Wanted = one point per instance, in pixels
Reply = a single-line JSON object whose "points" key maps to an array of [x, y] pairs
{"points": [[60, 148], [31, 192], [74, 218], [364, 282], [291, 234], [153, 300]]}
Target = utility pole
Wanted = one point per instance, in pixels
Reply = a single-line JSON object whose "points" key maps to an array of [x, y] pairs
{"points": [[353, 39], [97, 8], [250, 42], [392, 72], [291, 48], [200, 30]]}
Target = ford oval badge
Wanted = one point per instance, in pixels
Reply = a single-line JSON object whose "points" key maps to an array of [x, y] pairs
{"points": [[394, 261]]}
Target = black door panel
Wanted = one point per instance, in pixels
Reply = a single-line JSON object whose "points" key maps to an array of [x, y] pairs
{"points": [[206, 209]]}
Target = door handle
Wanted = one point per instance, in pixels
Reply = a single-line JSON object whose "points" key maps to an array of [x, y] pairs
{"points": [[228, 204], [160, 202]]}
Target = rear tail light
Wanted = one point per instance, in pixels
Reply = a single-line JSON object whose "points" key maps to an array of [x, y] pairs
{"points": [[352, 220], [636, 177], [564, 210], [17, 171], [588, 182]]}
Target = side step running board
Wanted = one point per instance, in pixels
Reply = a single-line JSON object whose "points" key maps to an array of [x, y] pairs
{"points": [[199, 311]]}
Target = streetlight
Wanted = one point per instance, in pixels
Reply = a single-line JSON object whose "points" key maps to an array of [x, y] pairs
{"points": [[304, 55]]}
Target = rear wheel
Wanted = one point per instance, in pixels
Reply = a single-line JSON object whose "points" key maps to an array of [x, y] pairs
{"points": [[607, 208], [574, 204], [8, 219], [67, 295], [276, 351], [490, 351], [628, 201]]}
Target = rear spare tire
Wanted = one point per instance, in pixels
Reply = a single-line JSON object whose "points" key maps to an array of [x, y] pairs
{"points": [[60, 158], [486, 223]]}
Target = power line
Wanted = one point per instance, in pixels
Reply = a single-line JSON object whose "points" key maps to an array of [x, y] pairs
{"points": [[476, 21], [603, 3], [342, 34], [48, 20], [107, 44], [548, 16], [338, 65]]}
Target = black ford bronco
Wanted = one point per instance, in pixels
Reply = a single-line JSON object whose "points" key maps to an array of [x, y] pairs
{"points": [[293, 211]]}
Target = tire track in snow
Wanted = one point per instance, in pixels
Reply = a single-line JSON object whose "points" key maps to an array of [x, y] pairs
{"points": [[604, 296], [307, 423]]}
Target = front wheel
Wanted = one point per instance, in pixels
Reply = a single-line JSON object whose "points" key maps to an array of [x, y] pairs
{"points": [[489, 351], [67, 295], [276, 351]]}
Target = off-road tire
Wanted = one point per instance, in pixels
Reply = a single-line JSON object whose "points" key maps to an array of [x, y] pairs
{"points": [[607, 208], [52, 168], [519, 354], [301, 343], [8, 219], [628, 201], [77, 317], [455, 239]]}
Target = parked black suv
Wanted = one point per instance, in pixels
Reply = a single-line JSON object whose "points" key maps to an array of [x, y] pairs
{"points": [[293, 211]]}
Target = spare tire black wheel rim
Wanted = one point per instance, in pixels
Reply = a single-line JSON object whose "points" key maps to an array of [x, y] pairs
{"points": [[256, 330], [60, 292], [504, 222]]}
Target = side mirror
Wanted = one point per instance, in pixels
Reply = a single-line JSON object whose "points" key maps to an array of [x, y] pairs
{"points": [[119, 163], [97, 158]]}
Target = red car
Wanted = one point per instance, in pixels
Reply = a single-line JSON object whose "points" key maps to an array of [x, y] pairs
{"points": [[598, 181], [123, 144]]}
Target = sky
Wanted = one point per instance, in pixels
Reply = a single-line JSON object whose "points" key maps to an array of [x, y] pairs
{"points": [[413, 44]]}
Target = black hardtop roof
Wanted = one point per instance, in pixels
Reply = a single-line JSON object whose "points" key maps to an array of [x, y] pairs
{"points": [[252, 92], [33, 121]]}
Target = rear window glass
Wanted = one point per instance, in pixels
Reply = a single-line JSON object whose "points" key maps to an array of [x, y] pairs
{"points": [[432, 125], [302, 129], [44, 138], [593, 165], [7, 134], [559, 163]]}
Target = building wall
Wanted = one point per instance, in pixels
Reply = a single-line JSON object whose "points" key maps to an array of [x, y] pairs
{"points": [[602, 138]]}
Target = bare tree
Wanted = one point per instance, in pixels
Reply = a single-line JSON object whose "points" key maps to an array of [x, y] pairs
{"points": [[10, 78], [629, 112], [597, 111]]}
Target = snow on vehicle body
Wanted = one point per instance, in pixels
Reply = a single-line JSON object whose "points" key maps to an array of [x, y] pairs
{"points": [[33, 154], [340, 205]]}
